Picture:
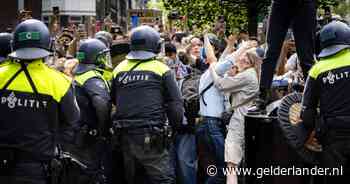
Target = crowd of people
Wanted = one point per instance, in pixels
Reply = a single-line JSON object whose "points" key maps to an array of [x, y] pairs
{"points": [[148, 107], [229, 72], [223, 74]]}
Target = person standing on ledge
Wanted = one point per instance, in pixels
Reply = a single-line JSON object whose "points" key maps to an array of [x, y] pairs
{"points": [[301, 16]]}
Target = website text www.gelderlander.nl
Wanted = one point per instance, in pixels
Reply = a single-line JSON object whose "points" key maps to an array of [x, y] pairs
{"points": [[212, 170]]}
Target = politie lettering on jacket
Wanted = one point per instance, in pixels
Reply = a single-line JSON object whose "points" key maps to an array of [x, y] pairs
{"points": [[133, 77], [12, 102], [331, 77]]}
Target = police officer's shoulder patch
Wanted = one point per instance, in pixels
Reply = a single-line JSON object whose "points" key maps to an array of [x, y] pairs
{"points": [[154, 66], [62, 83], [65, 77], [6, 71], [314, 71], [121, 67], [336, 61], [161, 67]]}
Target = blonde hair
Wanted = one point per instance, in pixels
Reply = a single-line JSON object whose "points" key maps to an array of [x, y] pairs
{"points": [[255, 60]]}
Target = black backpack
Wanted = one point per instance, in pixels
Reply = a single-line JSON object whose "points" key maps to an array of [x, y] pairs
{"points": [[191, 96]]}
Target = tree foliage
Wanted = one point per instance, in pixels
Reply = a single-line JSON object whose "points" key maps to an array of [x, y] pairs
{"points": [[324, 3], [203, 13], [238, 13]]}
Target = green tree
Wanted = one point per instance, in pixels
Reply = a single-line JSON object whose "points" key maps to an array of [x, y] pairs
{"points": [[342, 8], [241, 14], [203, 13], [324, 3]]}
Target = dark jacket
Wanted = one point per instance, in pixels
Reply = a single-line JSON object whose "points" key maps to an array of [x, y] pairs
{"points": [[37, 105], [328, 87], [93, 96], [149, 92]]}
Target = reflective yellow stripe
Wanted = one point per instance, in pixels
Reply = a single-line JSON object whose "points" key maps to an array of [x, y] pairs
{"points": [[152, 66], [5, 62], [47, 81], [81, 79], [339, 60], [106, 74]]}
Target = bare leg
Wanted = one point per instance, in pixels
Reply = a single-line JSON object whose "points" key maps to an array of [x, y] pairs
{"points": [[231, 177]]}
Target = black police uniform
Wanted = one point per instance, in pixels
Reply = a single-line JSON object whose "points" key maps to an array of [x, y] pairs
{"points": [[144, 99], [94, 101], [93, 98], [36, 102], [38, 108], [327, 87]]}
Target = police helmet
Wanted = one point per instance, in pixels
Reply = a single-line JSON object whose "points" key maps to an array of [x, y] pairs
{"points": [[5, 45], [334, 37], [105, 37], [145, 43], [31, 40], [94, 51]]}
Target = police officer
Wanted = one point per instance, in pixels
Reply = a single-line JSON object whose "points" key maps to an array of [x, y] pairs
{"points": [[301, 16], [95, 104], [327, 86], [146, 95], [5, 46], [116, 171], [107, 39], [36, 104]]}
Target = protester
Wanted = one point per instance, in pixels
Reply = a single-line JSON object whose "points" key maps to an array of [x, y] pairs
{"points": [[210, 132], [241, 90], [195, 48], [183, 151], [226, 63], [173, 61], [179, 97]]}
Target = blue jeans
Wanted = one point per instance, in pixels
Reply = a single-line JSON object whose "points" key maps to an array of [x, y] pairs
{"points": [[184, 157], [211, 145]]}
